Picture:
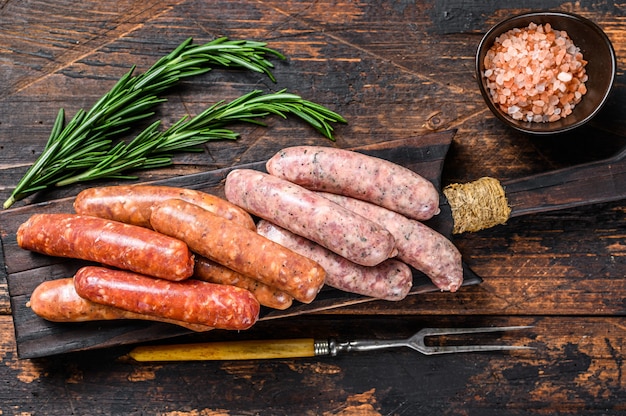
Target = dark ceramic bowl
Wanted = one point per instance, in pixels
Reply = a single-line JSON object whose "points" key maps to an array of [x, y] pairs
{"points": [[596, 48]]}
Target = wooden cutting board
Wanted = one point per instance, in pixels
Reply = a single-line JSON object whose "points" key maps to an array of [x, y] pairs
{"points": [[25, 270]]}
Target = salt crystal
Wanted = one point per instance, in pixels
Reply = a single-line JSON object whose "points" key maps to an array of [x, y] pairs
{"points": [[513, 109], [564, 76], [535, 68]]}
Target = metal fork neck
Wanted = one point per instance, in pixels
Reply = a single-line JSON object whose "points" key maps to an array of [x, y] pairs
{"points": [[333, 347]]}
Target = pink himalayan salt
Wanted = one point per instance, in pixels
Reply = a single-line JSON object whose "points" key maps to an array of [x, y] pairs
{"points": [[535, 74]]}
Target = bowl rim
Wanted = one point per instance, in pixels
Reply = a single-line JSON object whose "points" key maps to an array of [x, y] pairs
{"points": [[527, 127]]}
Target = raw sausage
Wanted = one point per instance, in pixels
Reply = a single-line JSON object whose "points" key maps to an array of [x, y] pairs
{"points": [[239, 249], [192, 301], [310, 215], [418, 245], [109, 242], [389, 280], [349, 173], [211, 271], [57, 301], [133, 204]]}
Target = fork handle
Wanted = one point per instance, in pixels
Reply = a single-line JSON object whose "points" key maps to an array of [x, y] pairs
{"points": [[229, 350], [256, 350]]}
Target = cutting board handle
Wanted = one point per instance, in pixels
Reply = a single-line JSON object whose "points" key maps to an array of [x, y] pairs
{"points": [[487, 202]]}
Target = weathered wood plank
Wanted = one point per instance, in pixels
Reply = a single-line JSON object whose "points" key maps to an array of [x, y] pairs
{"points": [[575, 368]]}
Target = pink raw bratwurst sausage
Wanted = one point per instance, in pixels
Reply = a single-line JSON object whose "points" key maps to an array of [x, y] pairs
{"points": [[349, 173], [418, 245], [310, 215], [389, 280], [192, 301]]}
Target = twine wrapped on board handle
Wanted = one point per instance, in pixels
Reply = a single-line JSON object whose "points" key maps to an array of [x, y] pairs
{"points": [[477, 205], [488, 202]]}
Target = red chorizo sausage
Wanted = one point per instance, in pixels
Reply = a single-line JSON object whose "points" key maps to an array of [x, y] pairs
{"points": [[109, 242], [133, 204], [418, 245], [192, 301], [239, 249], [310, 215], [211, 271], [349, 173], [389, 280], [57, 301]]}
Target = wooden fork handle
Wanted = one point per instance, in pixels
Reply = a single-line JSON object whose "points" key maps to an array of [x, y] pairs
{"points": [[227, 350]]}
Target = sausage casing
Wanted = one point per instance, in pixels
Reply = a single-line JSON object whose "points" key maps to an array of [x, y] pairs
{"points": [[133, 204], [57, 301], [192, 301], [211, 271], [389, 280], [109, 242], [353, 174], [310, 215], [418, 245], [239, 249]]}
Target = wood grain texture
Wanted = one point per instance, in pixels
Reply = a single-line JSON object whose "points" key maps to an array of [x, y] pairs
{"points": [[394, 70], [576, 364]]}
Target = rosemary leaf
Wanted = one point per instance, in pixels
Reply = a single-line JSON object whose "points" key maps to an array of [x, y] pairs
{"points": [[152, 149], [130, 100]]}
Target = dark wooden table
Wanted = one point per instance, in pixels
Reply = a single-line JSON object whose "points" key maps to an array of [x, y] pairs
{"points": [[394, 70]]}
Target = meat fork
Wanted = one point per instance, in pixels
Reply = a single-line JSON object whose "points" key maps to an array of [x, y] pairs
{"points": [[308, 347]]}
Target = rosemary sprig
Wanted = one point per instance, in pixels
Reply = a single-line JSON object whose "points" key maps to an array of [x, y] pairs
{"points": [[152, 148], [130, 100]]}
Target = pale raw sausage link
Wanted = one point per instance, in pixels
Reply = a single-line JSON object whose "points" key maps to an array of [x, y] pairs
{"points": [[349, 173], [239, 249], [211, 271], [310, 215], [192, 301], [109, 242], [133, 204], [57, 301], [418, 245], [389, 280]]}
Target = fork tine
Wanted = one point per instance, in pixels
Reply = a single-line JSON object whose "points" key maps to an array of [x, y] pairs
{"points": [[419, 340], [433, 350], [456, 331]]}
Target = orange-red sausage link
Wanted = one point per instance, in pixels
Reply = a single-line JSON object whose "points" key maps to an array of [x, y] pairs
{"points": [[109, 242], [57, 301], [353, 174], [192, 301], [132, 204], [239, 249], [211, 271]]}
